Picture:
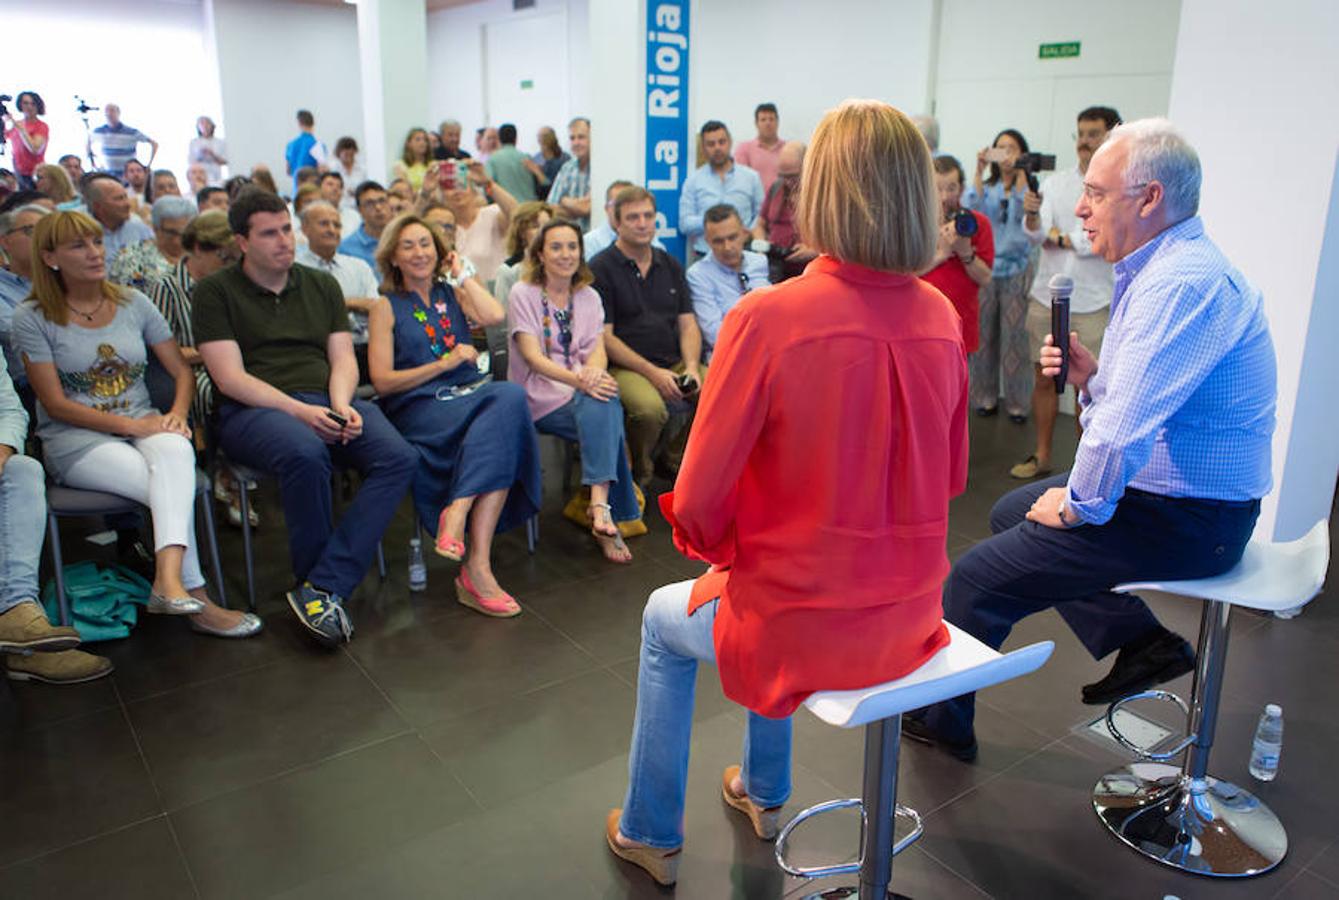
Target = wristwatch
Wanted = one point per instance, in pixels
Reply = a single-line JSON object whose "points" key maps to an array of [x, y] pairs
{"points": [[969, 260]]}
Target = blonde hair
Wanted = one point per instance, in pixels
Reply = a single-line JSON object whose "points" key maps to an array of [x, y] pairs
{"points": [[208, 231], [48, 284], [60, 178], [391, 279], [867, 195]]}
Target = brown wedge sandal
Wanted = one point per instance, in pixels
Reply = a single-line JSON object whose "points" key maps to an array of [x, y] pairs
{"points": [[662, 865], [766, 822]]}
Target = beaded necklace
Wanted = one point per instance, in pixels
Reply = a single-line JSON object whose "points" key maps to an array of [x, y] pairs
{"points": [[436, 323], [564, 319]]}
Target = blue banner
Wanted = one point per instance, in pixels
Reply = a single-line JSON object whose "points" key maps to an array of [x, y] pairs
{"points": [[668, 154]]}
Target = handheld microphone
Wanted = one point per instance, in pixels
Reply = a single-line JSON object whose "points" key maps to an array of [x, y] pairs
{"points": [[1061, 287]]}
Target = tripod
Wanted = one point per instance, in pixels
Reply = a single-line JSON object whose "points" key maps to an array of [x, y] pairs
{"points": [[84, 109]]}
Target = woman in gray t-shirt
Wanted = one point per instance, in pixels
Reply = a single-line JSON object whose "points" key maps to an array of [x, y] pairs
{"points": [[85, 345]]}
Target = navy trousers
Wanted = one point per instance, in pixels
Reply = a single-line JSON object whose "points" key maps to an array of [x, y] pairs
{"points": [[333, 558], [1026, 568]]}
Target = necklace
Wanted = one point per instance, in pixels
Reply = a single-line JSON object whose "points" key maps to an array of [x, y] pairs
{"points": [[88, 316], [436, 322], [564, 319]]}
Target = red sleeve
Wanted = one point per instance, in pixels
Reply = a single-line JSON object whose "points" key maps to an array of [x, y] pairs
{"points": [[723, 436], [984, 242], [957, 434]]}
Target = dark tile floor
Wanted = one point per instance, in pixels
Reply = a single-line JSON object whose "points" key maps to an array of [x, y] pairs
{"points": [[443, 754]]}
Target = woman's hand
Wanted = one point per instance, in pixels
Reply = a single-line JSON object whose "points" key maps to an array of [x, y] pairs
{"points": [[460, 354], [153, 423], [947, 235], [981, 161], [478, 174], [455, 264], [597, 383]]}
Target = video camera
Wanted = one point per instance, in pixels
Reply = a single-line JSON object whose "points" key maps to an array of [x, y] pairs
{"points": [[1032, 163], [964, 223]]}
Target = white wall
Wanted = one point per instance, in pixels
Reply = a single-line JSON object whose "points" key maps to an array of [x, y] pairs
{"points": [[745, 52], [151, 39], [392, 49], [1254, 91], [990, 76], [276, 57], [456, 65]]}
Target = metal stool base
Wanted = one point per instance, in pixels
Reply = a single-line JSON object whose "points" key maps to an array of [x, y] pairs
{"points": [[842, 893], [1219, 830]]}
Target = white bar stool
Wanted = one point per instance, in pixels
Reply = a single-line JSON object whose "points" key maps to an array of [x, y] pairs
{"points": [[965, 665], [1182, 817]]}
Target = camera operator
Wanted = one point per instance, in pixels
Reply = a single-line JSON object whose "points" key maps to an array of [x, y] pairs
{"points": [[1003, 196], [27, 137], [965, 252], [776, 220], [1065, 250]]}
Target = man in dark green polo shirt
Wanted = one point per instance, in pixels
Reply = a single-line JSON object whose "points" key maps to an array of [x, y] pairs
{"points": [[275, 338]]}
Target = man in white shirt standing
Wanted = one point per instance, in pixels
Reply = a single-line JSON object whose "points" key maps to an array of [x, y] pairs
{"points": [[321, 226], [1065, 251]]}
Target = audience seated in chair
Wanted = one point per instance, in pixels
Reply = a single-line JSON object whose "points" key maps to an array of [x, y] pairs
{"points": [[651, 336], [275, 338], [719, 279], [478, 462], [109, 204], [33, 648], [526, 222], [374, 207], [558, 357], [86, 343], [143, 265]]}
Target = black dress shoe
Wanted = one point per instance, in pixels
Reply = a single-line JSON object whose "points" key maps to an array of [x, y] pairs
{"points": [[987, 411], [918, 731], [1140, 667]]}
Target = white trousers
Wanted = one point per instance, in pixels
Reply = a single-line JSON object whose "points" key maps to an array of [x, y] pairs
{"points": [[158, 471]]}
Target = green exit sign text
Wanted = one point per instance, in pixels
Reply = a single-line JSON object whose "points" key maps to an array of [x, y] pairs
{"points": [[1058, 51]]}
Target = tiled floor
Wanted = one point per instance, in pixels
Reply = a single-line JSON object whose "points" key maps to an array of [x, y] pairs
{"points": [[447, 755]]}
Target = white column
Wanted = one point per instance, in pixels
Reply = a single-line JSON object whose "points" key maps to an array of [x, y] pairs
{"points": [[393, 54], [1254, 87], [617, 98]]}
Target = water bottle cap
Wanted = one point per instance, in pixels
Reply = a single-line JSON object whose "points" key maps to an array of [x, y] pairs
{"points": [[415, 542], [1274, 710]]}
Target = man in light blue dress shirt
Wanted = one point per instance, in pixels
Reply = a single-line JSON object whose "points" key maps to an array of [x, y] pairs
{"points": [[720, 180], [718, 280], [374, 207], [1178, 416]]}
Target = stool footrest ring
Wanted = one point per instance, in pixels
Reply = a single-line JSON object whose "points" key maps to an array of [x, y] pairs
{"points": [[1144, 752], [841, 868]]}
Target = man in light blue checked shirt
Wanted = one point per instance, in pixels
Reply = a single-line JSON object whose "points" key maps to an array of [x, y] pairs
{"points": [[1178, 415]]}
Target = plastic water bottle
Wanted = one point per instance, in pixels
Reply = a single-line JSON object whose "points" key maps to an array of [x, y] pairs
{"points": [[418, 570], [1268, 744]]}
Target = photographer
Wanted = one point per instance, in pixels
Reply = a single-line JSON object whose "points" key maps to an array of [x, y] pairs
{"points": [[27, 136], [1004, 198], [965, 252], [776, 218], [1066, 250]]}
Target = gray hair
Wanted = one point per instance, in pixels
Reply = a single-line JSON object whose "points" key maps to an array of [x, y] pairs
{"points": [[1159, 152], [171, 207], [448, 123], [579, 119], [314, 206], [929, 129], [90, 189], [8, 219]]}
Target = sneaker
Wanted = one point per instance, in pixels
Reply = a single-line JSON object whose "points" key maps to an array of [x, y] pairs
{"points": [[322, 614], [65, 667], [1141, 665], [25, 627]]}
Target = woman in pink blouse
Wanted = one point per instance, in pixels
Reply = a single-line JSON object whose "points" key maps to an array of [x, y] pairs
{"points": [[557, 355]]}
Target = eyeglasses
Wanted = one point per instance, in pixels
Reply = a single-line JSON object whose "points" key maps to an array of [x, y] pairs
{"points": [[22, 229], [172, 232], [743, 281]]}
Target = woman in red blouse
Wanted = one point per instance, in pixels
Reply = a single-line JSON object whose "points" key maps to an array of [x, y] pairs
{"points": [[827, 444]]}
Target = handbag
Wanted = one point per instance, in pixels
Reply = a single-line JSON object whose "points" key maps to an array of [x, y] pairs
{"points": [[104, 601]]}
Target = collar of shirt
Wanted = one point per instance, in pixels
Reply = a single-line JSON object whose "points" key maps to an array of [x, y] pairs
{"points": [[309, 257], [1128, 268], [14, 288], [849, 271], [294, 273]]}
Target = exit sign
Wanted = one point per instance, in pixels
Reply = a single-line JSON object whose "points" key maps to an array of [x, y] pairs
{"points": [[1058, 51]]}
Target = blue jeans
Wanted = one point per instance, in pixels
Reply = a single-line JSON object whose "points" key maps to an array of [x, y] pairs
{"points": [[597, 426], [22, 528], [333, 558], [1026, 568], [672, 643]]}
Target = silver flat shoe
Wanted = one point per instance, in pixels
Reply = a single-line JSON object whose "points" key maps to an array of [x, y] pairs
{"points": [[174, 606], [250, 624]]}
